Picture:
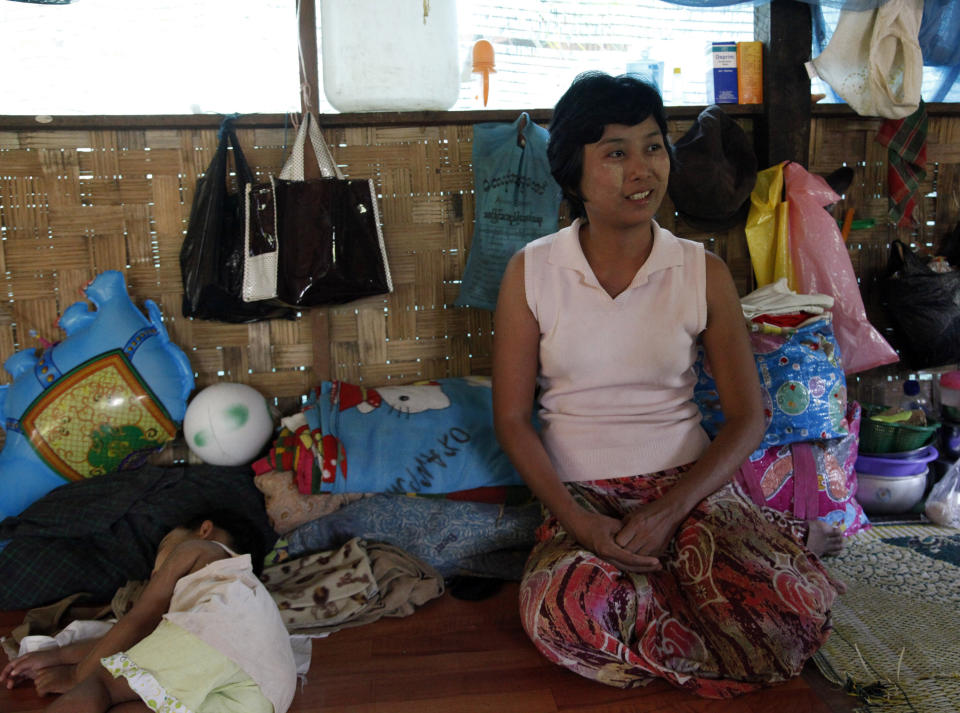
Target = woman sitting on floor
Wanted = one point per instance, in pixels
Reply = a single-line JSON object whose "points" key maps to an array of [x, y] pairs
{"points": [[650, 564]]}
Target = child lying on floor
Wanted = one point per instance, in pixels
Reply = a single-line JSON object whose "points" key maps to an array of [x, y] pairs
{"points": [[205, 635]]}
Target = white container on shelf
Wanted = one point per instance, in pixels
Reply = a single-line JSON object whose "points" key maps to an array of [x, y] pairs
{"points": [[390, 55]]}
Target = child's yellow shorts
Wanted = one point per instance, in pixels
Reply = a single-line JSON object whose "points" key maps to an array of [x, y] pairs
{"points": [[175, 672]]}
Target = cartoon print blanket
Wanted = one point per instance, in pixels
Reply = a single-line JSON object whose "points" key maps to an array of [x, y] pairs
{"points": [[429, 437]]}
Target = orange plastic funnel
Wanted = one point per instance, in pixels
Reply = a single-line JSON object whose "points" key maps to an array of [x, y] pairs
{"points": [[483, 62]]}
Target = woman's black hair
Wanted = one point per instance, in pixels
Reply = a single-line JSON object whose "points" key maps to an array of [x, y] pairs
{"points": [[245, 536], [594, 100]]}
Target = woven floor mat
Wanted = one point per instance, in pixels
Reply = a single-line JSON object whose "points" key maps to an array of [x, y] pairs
{"points": [[896, 639]]}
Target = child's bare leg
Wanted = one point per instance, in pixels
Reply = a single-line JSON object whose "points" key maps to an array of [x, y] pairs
{"points": [[97, 693], [55, 679], [131, 707]]}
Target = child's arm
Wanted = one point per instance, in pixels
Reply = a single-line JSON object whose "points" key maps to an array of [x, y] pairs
{"points": [[29, 665], [26, 667], [149, 609], [77, 651]]}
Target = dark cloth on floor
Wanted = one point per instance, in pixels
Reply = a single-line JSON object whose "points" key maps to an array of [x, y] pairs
{"points": [[48, 620], [94, 535]]}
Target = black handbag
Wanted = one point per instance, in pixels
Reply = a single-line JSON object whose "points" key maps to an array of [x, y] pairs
{"points": [[331, 250], [330, 247], [212, 254], [924, 308]]}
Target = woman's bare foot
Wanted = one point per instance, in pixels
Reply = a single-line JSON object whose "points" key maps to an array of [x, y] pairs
{"points": [[824, 539]]}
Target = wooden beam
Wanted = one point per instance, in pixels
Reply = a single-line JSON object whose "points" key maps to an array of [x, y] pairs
{"points": [[783, 129], [372, 118]]}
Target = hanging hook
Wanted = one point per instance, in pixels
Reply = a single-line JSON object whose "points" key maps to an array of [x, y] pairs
{"points": [[521, 125]]}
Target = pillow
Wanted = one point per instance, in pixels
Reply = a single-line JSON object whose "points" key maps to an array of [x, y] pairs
{"points": [[429, 437], [810, 480], [804, 387], [98, 401], [288, 508]]}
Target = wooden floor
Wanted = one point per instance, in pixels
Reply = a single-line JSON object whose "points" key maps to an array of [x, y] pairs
{"points": [[455, 656]]}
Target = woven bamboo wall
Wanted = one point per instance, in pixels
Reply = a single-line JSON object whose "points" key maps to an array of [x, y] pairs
{"points": [[77, 202], [74, 203], [851, 141]]}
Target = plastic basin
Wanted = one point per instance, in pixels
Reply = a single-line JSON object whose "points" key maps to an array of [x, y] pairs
{"points": [[890, 495], [895, 467]]}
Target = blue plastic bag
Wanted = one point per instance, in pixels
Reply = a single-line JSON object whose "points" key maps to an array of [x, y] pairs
{"points": [[804, 388], [517, 201]]}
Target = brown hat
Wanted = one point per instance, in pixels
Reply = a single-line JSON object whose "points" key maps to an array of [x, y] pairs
{"points": [[714, 172]]}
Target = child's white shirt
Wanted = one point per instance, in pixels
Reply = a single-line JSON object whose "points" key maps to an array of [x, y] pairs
{"points": [[227, 607]]}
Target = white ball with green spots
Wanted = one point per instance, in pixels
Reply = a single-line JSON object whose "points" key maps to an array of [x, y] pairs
{"points": [[227, 424]]}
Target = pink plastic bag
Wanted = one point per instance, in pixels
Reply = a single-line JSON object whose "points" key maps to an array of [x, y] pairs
{"points": [[810, 479], [822, 265]]}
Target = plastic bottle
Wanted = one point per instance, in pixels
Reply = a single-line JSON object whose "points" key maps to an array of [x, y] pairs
{"points": [[675, 88], [650, 70], [913, 400]]}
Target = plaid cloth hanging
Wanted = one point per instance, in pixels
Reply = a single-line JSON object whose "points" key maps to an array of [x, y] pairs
{"points": [[906, 142]]}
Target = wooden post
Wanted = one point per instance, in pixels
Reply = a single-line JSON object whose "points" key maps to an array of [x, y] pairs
{"points": [[309, 65], [309, 75], [783, 130]]}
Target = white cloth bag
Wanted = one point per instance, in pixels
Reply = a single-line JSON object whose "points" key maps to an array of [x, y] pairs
{"points": [[874, 59]]}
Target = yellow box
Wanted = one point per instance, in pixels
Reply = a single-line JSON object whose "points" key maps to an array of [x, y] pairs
{"points": [[750, 72]]}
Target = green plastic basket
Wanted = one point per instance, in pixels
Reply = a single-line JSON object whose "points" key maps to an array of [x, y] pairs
{"points": [[881, 437]]}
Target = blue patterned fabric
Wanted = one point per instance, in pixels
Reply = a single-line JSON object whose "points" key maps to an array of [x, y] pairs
{"points": [[452, 536], [848, 4], [804, 388], [434, 437]]}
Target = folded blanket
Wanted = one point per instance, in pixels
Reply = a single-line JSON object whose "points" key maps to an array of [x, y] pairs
{"points": [[432, 437], [453, 537], [354, 585]]}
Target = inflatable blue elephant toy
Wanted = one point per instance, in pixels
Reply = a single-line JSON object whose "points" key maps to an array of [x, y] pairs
{"points": [[97, 402]]}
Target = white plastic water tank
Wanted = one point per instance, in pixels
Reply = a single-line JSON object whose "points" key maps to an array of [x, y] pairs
{"points": [[390, 55]]}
